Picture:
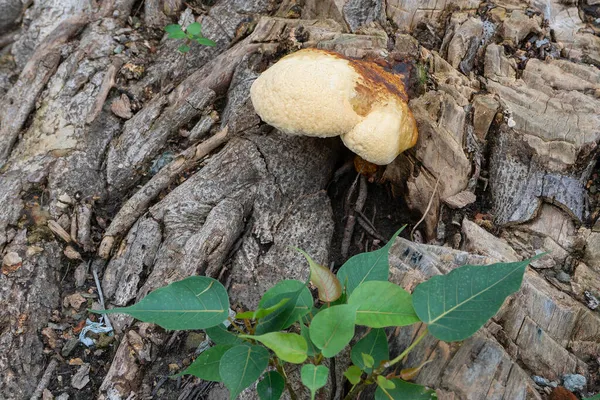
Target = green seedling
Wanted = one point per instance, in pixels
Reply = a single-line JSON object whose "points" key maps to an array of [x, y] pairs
{"points": [[291, 327], [193, 33]]}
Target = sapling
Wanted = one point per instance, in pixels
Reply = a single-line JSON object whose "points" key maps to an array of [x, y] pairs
{"points": [[290, 327], [193, 32]]}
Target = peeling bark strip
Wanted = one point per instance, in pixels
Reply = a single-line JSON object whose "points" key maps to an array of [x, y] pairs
{"points": [[20, 100], [107, 84]]}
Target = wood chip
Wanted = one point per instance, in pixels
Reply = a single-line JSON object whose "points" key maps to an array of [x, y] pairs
{"points": [[82, 377], [122, 107], [59, 231], [72, 254], [461, 199]]}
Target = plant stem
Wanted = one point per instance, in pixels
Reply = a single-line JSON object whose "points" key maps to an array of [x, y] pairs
{"points": [[404, 353], [356, 389], [281, 370], [237, 328]]}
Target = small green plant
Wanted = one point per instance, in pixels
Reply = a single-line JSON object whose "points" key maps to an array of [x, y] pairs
{"points": [[193, 32], [290, 327]]}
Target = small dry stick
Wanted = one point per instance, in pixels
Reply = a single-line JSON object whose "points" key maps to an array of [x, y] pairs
{"points": [[43, 384], [368, 228], [137, 205], [426, 210], [107, 83], [351, 222]]}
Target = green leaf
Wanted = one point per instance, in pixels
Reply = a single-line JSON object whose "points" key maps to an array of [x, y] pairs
{"points": [[353, 374], [271, 386], [312, 350], [381, 304], [367, 360], [220, 335], [289, 347], [456, 305], [372, 266], [328, 285], [261, 312], [172, 28], [306, 319], [205, 42], [176, 35], [241, 365], [385, 383], [299, 304], [374, 344], [184, 48], [596, 397], [194, 28], [333, 328], [314, 377], [197, 302], [404, 391], [206, 365]]}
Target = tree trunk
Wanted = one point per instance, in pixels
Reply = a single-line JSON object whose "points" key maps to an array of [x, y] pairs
{"points": [[123, 159]]}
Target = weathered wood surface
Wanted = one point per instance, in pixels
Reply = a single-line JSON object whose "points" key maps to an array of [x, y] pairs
{"points": [[76, 153]]}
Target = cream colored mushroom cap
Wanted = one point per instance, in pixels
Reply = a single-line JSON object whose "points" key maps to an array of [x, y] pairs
{"points": [[307, 93], [320, 93]]}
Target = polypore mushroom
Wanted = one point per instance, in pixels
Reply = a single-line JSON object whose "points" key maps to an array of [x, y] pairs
{"points": [[320, 93]]}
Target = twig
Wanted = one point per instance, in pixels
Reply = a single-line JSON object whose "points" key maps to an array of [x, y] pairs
{"points": [[405, 352], [281, 370], [43, 384], [107, 83], [426, 210], [137, 205], [351, 192], [101, 296], [351, 222], [365, 225]]}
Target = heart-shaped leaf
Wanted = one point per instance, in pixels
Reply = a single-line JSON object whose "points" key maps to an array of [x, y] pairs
{"points": [[456, 305], [353, 374], [271, 386], [172, 28], [184, 48], [261, 312], [333, 328], [314, 377], [197, 302], [206, 365], [242, 365], [289, 347], [381, 304], [327, 284], [312, 350], [220, 335], [367, 360], [372, 266], [404, 391], [300, 303], [194, 28], [177, 35], [205, 42], [375, 345], [385, 383]]}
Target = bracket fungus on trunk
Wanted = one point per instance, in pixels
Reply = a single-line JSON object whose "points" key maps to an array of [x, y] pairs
{"points": [[321, 93]]}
